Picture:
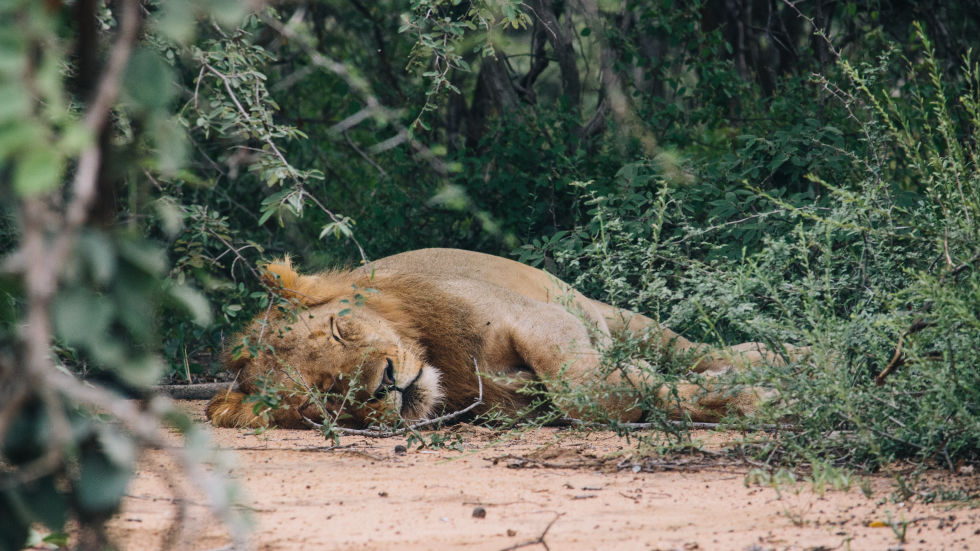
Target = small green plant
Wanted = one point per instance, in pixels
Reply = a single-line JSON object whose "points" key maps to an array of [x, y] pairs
{"points": [[899, 526], [904, 489], [865, 484], [435, 441], [777, 480], [825, 476]]}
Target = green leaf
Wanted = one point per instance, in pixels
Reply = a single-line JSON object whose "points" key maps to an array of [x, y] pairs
{"points": [[45, 502], [81, 317], [267, 213], [143, 371], [15, 528], [99, 254], [101, 481], [176, 21], [194, 302], [58, 539], [149, 81], [38, 170]]}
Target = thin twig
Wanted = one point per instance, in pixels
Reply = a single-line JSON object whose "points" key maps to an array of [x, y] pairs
{"points": [[373, 106], [293, 173], [238, 255], [898, 359], [817, 29], [767, 427], [364, 155], [376, 433], [539, 539], [336, 220]]}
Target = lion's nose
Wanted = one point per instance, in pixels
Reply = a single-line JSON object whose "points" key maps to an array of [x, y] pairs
{"points": [[388, 378]]}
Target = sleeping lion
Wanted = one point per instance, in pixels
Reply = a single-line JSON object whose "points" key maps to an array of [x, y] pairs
{"points": [[404, 336]]}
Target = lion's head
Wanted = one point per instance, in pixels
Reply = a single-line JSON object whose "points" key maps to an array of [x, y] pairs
{"points": [[345, 334]]}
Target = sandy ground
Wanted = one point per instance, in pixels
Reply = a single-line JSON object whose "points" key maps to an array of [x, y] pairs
{"points": [[548, 488]]}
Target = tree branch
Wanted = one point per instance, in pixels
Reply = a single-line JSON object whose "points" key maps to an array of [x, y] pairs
{"points": [[560, 37]]}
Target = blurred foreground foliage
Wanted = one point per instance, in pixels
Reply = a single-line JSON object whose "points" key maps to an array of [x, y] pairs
{"points": [[748, 170]]}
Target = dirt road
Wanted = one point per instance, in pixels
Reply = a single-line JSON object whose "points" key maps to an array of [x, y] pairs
{"points": [[567, 489]]}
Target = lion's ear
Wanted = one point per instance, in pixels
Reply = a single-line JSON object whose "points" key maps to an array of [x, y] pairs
{"points": [[279, 274], [285, 281], [308, 290]]}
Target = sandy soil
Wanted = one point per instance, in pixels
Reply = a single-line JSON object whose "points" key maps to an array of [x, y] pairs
{"points": [[548, 488]]}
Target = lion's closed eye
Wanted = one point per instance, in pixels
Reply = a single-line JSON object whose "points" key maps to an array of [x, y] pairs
{"points": [[335, 331]]}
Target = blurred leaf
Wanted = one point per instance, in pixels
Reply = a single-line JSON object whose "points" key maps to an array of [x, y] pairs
{"points": [[170, 215], [145, 256], [228, 13], [74, 137], [195, 303], [171, 145], [81, 317], [15, 102], [101, 481], [133, 299], [97, 251], [149, 81], [46, 504], [117, 446], [176, 21], [452, 197], [143, 371], [15, 527], [38, 170], [25, 438]]}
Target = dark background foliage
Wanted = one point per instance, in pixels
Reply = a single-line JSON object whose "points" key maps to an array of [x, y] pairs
{"points": [[769, 170]]}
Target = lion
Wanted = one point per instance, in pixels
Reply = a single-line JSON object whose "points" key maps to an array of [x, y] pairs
{"points": [[406, 338]]}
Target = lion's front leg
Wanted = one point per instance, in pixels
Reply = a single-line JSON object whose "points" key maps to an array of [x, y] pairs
{"points": [[232, 409], [561, 351]]}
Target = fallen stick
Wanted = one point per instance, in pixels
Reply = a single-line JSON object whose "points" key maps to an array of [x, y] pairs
{"points": [[197, 391]]}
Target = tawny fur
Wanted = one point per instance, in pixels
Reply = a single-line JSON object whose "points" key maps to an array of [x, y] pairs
{"points": [[429, 315]]}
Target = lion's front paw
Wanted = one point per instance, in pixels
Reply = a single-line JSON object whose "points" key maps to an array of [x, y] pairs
{"points": [[228, 409]]}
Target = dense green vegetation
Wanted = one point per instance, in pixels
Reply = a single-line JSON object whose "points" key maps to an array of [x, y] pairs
{"points": [[753, 170]]}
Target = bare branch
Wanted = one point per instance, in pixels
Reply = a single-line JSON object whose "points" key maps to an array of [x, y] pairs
{"points": [[561, 44], [376, 433], [146, 427], [373, 106], [365, 156], [539, 540]]}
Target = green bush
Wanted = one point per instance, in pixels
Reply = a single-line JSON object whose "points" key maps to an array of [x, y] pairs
{"points": [[880, 269]]}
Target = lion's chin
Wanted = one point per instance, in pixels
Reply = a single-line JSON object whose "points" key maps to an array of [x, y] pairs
{"points": [[420, 399]]}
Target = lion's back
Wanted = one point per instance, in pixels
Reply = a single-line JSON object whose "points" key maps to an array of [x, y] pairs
{"points": [[459, 264]]}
